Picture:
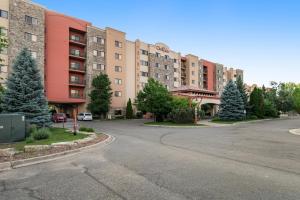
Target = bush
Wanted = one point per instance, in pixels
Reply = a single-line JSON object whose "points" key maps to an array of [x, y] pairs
{"points": [[41, 134], [32, 128], [85, 129], [182, 116], [270, 109], [252, 117], [29, 140]]}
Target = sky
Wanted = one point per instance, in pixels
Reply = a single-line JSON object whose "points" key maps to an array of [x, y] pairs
{"points": [[260, 37]]}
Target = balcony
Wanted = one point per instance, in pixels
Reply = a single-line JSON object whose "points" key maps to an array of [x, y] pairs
{"points": [[78, 42], [80, 56], [78, 69], [77, 83], [77, 96]]}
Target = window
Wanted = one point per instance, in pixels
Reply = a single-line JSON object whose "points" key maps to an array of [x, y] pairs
{"points": [[31, 20], [98, 53], [175, 60], [118, 81], [157, 65], [75, 52], [75, 65], [193, 73], [157, 55], [193, 64], [3, 68], [167, 77], [98, 40], [157, 75], [193, 81], [166, 86], [75, 38], [97, 66], [166, 57], [30, 37], [175, 70], [3, 31], [145, 63], [118, 93], [175, 79], [75, 93], [74, 79], [144, 52], [4, 14], [118, 44], [145, 74], [118, 56], [33, 54], [118, 69], [166, 67]]}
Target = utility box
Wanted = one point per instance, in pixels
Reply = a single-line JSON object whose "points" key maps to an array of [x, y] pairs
{"points": [[12, 128]]}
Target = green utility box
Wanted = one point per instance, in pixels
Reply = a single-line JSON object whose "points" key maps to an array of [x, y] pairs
{"points": [[12, 127]]}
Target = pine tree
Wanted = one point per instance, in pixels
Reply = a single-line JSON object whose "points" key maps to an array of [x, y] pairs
{"points": [[257, 102], [100, 95], [25, 92], [232, 106], [241, 87], [129, 110]]}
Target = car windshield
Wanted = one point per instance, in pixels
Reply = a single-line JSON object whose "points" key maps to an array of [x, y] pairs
{"points": [[88, 114], [60, 114]]}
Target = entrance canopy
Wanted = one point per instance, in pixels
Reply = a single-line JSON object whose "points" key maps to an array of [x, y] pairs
{"points": [[196, 94]]}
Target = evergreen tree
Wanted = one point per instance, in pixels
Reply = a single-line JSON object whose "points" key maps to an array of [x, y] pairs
{"points": [[100, 95], [1, 97], [129, 110], [257, 102], [232, 105], [241, 87], [296, 99], [25, 92], [3, 42], [154, 98]]}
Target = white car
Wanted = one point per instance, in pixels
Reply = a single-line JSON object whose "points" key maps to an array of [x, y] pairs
{"points": [[84, 117]]}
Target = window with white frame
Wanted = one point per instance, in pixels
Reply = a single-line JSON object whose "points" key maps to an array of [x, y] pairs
{"points": [[118, 69], [3, 68], [118, 93], [145, 74], [118, 56], [30, 37], [98, 66], [167, 77], [145, 63], [3, 31], [118, 44], [193, 64], [98, 40], [157, 65], [157, 75], [31, 20], [144, 52], [33, 54], [118, 81]]}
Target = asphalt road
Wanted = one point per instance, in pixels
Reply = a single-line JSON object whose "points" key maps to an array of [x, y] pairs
{"points": [[249, 161]]}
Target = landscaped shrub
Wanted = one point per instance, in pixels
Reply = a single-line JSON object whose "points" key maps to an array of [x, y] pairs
{"points": [[85, 129], [32, 128], [252, 117], [41, 134], [29, 140], [182, 115], [270, 109]]}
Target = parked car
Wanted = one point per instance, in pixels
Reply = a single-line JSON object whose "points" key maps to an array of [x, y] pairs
{"points": [[85, 117], [59, 117]]}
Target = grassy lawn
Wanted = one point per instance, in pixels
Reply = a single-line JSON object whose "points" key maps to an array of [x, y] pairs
{"points": [[57, 135], [172, 124]]}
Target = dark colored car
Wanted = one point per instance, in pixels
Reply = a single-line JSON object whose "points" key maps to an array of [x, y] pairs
{"points": [[59, 117]]}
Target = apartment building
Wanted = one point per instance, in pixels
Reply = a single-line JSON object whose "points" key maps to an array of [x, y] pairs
{"points": [[23, 22], [156, 61], [70, 52]]}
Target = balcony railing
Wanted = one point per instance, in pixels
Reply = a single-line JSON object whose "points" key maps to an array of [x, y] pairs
{"points": [[77, 96], [77, 68], [80, 55], [77, 82], [80, 42]]}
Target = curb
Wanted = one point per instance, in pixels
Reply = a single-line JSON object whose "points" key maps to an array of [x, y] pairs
{"points": [[295, 131], [168, 126], [47, 158]]}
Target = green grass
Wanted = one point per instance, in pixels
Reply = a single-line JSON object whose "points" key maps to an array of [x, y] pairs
{"points": [[57, 135], [172, 124], [219, 121]]}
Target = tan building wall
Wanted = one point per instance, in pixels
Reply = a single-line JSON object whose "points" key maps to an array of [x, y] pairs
{"points": [[112, 52], [192, 70], [130, 71], [4, 24]]}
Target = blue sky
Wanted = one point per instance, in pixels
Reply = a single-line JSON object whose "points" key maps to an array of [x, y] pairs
{"points": [[261, 37]]}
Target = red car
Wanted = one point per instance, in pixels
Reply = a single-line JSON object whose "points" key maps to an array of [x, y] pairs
{"points": [[59, 117]]}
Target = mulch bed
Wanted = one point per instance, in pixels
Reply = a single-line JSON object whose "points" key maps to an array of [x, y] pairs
{"points": [[52, 150]]}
